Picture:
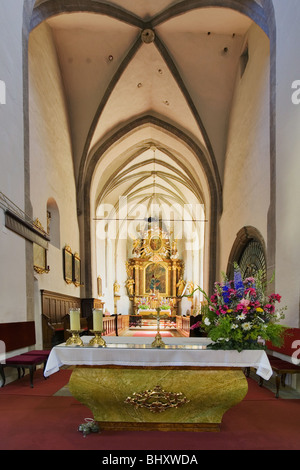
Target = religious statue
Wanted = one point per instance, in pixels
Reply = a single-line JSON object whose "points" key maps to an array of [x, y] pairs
{"points": [[180, 287], [136, 248], [130, 287], [116, 288], [190, 288], [174, 251], [99, 286]]}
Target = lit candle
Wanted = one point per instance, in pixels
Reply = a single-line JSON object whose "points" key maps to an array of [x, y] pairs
{"points": [[75, 319], [97, 319]]}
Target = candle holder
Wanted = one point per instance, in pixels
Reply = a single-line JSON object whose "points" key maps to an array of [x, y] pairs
{"points": [[74, 339], [158, 342], [97, 341]]}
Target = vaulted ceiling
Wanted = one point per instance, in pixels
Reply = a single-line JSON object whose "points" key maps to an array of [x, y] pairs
{"points": [[131, 59]]}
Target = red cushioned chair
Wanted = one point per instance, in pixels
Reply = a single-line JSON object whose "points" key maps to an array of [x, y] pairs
{"points": [[38, 352], [279, 366], [21, 362]]}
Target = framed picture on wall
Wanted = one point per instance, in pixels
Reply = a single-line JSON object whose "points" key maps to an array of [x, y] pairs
{"points": [[76, 270], [40, 259], [68, 264]]}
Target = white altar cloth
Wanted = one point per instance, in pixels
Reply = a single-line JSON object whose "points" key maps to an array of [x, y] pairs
{"points": [[137, 351]]}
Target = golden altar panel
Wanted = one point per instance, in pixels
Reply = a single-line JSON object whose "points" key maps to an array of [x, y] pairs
{"points": [[155, 267], [165, 398]]}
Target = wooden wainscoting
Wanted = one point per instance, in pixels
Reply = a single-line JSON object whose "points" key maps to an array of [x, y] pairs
{"points": [[55, 307]]}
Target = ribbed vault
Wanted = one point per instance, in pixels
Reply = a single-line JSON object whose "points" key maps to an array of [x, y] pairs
{"points": [[146, 75]]}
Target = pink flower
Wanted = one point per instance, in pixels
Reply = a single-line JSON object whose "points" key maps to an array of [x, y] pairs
{"points": [[240, 307], [274, 298], [255, 304], [245, 302], [224, 309], [251, 291], [270, 307]]}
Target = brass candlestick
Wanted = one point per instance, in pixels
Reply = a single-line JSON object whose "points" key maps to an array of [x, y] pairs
{"points": [[158, 342], [75, 339], [97, 341]]}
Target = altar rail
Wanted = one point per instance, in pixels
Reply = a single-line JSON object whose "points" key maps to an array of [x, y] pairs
{"points": [[115, 325], [183, 325]]}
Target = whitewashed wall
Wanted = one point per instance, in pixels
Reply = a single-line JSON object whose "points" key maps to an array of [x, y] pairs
{"points": [[247, 166], [52, 173], [12, 246], [288, 160]]}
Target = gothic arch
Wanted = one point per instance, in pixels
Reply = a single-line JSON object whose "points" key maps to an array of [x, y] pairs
{"points": [[248, 238], [196, 150], [263, 15]]}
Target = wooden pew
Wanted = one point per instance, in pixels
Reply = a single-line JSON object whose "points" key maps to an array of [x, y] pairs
{"points": [[55, 308]]}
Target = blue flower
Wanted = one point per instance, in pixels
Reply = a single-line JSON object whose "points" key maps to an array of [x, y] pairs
{"points": [[238, 282], [225, 293]]}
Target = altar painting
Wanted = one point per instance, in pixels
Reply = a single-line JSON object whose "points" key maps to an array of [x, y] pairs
{"points": [[155, 278]]}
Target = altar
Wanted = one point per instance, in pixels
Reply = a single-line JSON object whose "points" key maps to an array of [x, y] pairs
{"points": [[152, 312], [183, 386]]}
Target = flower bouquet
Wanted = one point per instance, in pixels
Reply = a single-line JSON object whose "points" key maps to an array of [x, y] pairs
{"points": [[240, 315]]}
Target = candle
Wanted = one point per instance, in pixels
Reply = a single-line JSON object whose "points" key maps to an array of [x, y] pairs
{"points": [[97, 319], [75, 319]]}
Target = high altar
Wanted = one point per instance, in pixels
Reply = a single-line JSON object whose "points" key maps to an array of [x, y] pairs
{"points": [[154, 268]]}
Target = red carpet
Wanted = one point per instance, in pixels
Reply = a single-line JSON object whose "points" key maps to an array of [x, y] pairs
{"points": [[34, 419], [152, 333], [41, 386]]}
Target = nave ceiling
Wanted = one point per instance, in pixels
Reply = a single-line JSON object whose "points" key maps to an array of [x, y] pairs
{"points": [[139, 59]]}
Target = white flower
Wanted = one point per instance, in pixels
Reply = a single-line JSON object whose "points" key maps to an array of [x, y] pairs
{"points": [[241, 317], [234, 326], [206, 321], [246, 326]]}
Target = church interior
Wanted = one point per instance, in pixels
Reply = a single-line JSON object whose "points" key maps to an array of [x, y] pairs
{"points": [[147, 148]]}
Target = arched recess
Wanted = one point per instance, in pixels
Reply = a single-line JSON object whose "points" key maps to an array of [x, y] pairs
{"points": [[249, 251], [156, 181], [196, 151], [53, 222]]}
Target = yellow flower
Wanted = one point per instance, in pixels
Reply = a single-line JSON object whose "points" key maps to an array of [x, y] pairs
{"points": [[229, 310], [259, 309]]}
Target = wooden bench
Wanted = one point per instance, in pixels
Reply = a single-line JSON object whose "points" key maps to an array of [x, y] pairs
{"points": [[16, 336], [280, 366]]}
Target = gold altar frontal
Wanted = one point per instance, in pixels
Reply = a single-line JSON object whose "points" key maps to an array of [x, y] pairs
{"points": [[158, 398]]}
